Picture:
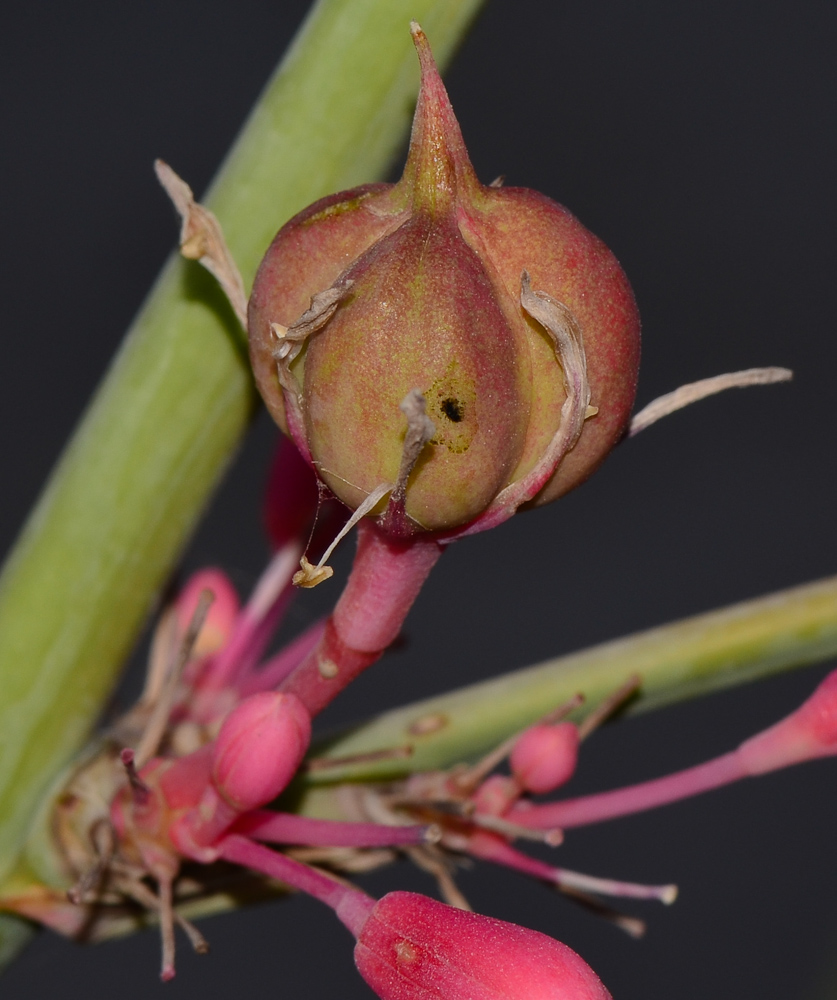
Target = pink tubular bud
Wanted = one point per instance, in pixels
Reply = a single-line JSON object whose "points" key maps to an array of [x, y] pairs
{"points": [[545, 757], [222, 613], [438, 340], [415, 948], [807, 733], [292, 502], [259, 748]]}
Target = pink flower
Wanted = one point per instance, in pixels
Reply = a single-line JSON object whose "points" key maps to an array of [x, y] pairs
{"points": [[415, 948], [545, 757]]}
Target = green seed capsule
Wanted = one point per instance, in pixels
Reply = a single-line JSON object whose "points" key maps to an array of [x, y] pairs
{"points": [[511, 325]]}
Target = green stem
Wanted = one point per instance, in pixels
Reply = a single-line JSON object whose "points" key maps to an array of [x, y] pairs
{"points": [[178, 397], [694, 656]]}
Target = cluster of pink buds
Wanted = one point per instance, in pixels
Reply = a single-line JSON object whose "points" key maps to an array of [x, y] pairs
{"points": [[208, 804], [214, 743], [193, 767], [196, 789]]}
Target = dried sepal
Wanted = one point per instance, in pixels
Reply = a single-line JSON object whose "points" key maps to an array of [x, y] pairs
{"points": [[201, 239], [692, 392]]}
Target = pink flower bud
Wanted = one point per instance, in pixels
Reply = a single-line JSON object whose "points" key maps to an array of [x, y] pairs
{"points": [[545, 757], [373, 293], [291, 502], [222, 613], [259, 748], [807, 733], [414, 948], [496, 795]]}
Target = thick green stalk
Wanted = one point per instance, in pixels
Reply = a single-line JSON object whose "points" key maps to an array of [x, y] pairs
{"points": [[694, 656], [174, 405]]}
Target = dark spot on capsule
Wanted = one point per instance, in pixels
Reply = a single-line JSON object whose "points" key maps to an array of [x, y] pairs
{"points": [[452, 409]]}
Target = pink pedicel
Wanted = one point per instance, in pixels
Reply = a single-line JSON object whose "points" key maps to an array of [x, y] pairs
{"points": [[545, 757], [386, 578], [808, 733], [415, 948], [289, 828]]}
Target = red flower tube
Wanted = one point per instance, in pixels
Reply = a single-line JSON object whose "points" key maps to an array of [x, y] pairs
{"points": [[412, 947]]}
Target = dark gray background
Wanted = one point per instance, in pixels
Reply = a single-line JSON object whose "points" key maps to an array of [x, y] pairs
{"points": [[697, 139]]}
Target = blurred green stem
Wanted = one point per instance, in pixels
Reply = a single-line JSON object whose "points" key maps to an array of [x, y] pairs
{"points": [[694, 656], [177, 399]]}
